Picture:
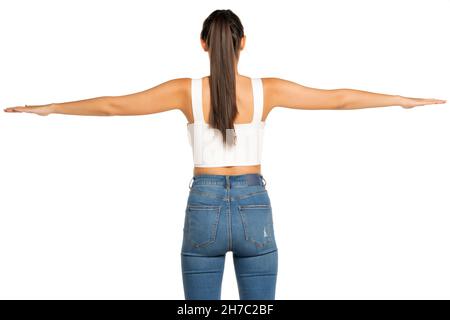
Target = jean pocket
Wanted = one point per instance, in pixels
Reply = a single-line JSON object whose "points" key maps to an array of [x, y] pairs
{"points": [[202, 222], [257, 223]]}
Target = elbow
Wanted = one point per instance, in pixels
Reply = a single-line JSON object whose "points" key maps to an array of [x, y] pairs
{"points": [[341, 99], [108, 107]]}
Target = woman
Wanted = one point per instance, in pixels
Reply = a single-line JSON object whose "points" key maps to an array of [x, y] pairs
{"points": [[228, 207]]}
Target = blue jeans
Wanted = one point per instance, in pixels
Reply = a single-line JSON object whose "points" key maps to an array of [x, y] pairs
{"points": [[229, 213]]}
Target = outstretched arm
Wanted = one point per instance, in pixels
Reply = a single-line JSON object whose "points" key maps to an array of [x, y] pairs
{"points": [[163, 97], [285, 93]]}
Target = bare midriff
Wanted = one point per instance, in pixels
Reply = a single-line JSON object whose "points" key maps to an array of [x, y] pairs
{"points": [[235, 170]]}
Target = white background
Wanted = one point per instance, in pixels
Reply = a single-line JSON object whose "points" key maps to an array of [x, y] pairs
{"points": [[93, 207]]}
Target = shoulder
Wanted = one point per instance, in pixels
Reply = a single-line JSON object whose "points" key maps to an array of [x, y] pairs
{"points": [[180, 87], [271, 88], [272, 83]]}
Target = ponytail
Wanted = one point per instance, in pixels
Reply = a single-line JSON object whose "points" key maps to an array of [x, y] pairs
{"points": [[222, 32]]}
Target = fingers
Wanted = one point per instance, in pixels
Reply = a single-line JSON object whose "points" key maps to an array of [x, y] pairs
{"points": [[425, 101], [433, 101], [10, 110], [17, 109]]}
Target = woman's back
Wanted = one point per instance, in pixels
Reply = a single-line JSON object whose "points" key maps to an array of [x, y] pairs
{"points": [[251, 109], [244, 100]]}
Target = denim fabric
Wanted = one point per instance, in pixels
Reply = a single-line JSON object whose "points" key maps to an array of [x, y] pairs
{"points": [[226, 213]]}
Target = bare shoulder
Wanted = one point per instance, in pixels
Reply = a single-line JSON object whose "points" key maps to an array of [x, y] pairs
{"points": [[274, 87], [270, 86], [290, 94], [183, 88], [165, 96], [180, 86]]}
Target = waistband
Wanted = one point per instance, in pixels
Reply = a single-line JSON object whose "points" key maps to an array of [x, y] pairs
{"points": [[250, 179]]}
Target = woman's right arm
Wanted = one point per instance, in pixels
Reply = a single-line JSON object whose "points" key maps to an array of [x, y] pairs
{"points": [[285, 93]]}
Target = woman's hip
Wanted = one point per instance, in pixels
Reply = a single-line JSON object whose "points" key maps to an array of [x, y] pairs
{"points": [[226, 213]]}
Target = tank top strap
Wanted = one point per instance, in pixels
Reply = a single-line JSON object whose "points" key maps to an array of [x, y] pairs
{"points": [[197, 105], [258, 99]]}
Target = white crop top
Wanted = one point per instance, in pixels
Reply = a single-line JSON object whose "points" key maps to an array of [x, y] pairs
{"points": [[208, 149]]}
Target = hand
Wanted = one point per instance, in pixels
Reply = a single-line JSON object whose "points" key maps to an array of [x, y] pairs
{"points": [[407, 102], [39, 110]]}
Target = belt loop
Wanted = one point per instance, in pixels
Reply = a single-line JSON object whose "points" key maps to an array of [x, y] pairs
{"points": [[227, 180], [264, 181], [190, 183]]}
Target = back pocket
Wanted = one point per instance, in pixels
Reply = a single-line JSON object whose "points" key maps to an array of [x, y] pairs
{"points": [[257, 223], [202, 222]]}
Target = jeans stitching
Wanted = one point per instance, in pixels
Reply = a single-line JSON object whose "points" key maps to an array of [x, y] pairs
{"points": [[215, 196], [268, 239], [213, 228]]}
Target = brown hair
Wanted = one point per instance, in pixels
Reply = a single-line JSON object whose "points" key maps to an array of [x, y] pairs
{"points": [[222, 31]]}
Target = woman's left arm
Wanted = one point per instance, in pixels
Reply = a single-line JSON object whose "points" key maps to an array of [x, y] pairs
{"points": [[166, 96]]}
